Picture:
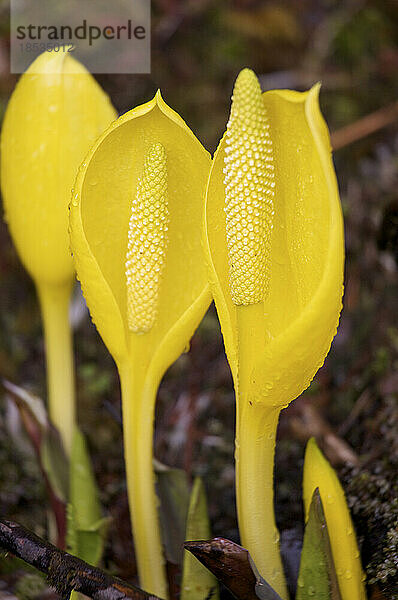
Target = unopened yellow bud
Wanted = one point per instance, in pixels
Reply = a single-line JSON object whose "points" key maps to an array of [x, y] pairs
{"points": [[249, 191]]}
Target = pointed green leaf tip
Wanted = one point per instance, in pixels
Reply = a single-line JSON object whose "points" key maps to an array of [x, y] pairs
{"points": [[198, 583], [173, 493], [317, 577]]}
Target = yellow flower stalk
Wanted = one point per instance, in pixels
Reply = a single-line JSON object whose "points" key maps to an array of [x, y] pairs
{"points": [[273, 237], [55, 113], [319, 474], [136, 238]]}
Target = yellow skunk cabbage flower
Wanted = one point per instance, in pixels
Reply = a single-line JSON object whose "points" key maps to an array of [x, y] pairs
{"points": [[319, 474], [55, 113], [136, 238], [273, 237]]}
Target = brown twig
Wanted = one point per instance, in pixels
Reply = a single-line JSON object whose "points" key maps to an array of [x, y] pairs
{"points": [[65, 572], [232, 565], [363, 127], [364, 400], [306, 421]]}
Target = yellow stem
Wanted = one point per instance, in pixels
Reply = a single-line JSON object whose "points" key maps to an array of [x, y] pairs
{"points": [[256, 425], [54, 302], [255, 447], [138, 400]]}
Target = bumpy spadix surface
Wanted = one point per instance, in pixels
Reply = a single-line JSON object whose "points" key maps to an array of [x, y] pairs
{"points": [[147, 239], [249, 190]]}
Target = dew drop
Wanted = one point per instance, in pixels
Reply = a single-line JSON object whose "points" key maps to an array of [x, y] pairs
{"points": [[311, 590]]}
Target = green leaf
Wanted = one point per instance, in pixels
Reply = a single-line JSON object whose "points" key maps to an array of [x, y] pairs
{"points": [[71, 531], [90, 544], [197, 582], [83, 488], [173, 492], [86, 526], [317, 577]]}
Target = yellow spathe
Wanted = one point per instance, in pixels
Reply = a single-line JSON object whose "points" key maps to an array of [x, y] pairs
{"points": [[100, 215], [136, 238], [288, 249], [319, 474], [301, 311]]}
